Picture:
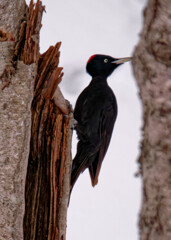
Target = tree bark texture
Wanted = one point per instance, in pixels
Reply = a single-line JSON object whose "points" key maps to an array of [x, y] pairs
{"points": [[152, 68], [35, 129], [48, 176], [16, 92]]}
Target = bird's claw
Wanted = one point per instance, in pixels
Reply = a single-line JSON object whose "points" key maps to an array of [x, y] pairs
{"points": [[74, 124]]}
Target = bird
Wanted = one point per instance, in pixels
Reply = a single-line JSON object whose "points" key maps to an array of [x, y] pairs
{"points": [[95, 114]]}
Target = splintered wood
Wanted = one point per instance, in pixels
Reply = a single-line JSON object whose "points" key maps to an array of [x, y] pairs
{"points": [[49, 154], [30, 52], [48, 175]]}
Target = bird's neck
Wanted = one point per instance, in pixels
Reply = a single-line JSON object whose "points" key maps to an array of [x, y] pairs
{"points": [[99, 79]]}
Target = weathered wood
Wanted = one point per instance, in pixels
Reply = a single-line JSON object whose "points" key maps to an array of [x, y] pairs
{"points": [[30, 51], [16, 92], [48, 175], [41, 126], [152, 64], [50, 157]]}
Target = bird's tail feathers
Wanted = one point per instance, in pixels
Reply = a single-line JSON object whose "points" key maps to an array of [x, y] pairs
{"points": [[94, 168], [85, 155], [77, 169]]}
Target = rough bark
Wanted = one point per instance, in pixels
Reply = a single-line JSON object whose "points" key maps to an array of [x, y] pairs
{"points": [[48, 176], [35, 129], [152, 68], [16, 92]]}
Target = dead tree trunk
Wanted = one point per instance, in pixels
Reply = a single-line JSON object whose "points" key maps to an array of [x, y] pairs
{"points": [[152, 68], [16, 92], [35, 129]]}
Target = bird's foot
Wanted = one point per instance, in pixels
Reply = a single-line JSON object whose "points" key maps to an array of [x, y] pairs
{"points": [[74, 124]]}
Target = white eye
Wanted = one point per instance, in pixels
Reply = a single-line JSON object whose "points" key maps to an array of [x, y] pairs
{"points": [[105, 60]]}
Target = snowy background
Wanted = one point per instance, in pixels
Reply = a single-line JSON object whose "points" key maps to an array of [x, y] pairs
{"points": [[112, 27]]}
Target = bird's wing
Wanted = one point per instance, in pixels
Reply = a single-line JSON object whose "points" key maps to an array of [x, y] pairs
{"points": [[87, 113], [96, 113], [107, 120]]}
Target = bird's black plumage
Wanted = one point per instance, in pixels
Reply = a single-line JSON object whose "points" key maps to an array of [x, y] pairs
{"points": [[95, 112]]}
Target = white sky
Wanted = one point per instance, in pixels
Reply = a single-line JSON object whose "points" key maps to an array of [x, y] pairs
{"points": [[110, 210]]}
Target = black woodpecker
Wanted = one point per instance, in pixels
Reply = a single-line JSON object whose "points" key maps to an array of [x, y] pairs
{"points": [[95, 112]]}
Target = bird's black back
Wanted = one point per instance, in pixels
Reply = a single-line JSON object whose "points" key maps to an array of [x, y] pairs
{"points": [[95, 112]]}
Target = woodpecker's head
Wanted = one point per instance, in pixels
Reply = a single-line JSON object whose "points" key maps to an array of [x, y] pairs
{"points": [[102, 65]]}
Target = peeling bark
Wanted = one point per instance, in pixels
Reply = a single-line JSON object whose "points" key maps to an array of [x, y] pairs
{"points": [[35, 129], [49, 167], [152, 68]]}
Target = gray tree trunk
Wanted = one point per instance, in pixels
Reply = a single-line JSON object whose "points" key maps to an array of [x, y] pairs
{"points": [[16, 92], [35, 130], [152, 68]]}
